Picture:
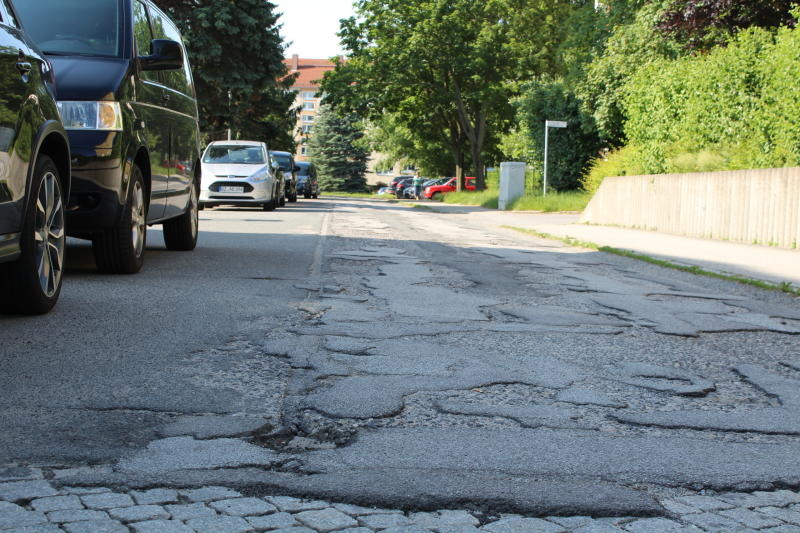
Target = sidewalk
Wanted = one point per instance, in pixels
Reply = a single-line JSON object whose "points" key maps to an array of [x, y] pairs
{"points": [[775, 265]]}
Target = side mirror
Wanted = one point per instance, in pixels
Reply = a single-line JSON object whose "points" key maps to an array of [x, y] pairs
{"points": [[297, 168], [167, 55]]}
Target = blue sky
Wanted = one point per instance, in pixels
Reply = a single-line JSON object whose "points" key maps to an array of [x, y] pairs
{"points": [[311, 25]]}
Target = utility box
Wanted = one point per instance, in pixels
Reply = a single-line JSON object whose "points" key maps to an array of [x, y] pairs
{"points": [[512, 183]]}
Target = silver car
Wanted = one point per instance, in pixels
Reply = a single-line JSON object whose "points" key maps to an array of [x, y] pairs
{"points": [[239, 173]]}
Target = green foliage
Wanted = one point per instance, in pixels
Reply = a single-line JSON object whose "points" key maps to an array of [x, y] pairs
{"points": [[445, 70], [337, 150], [734, 107], [570, 149], [631, 46], [622, 162], [237, 47]]}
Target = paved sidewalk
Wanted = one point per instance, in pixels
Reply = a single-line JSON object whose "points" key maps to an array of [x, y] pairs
{"points": [[30, 504], [776, 265]]}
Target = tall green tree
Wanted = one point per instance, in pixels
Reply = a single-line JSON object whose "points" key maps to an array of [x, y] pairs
{"points": [[236, 48], [450, 66], [338, 150]]}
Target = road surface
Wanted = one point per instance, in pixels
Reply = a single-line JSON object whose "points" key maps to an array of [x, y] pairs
{"points": [[371, 353]]}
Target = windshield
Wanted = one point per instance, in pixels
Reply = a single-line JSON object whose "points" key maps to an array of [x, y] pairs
{"points": [[77, 27], [304, 169], [236, 154], [283, 160]]}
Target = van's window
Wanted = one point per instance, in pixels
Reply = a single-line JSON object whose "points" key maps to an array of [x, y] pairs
{"points": [[284, 161], [11, 20], [77, 27], [234, 154], [143, 36], [163, 28]]}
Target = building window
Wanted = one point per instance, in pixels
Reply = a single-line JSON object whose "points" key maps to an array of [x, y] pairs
{"points": [[308, 118], [308, 106], [304, 150], [308, 129], [309, 95]]}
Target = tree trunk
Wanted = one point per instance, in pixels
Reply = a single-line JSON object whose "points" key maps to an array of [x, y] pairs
{"points": [[475, 133]]}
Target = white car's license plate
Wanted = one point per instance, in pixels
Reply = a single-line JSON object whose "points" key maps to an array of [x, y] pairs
{"points": [[224, 188]]}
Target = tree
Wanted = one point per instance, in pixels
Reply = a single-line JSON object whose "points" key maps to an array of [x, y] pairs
{"points": [[237, 47], [337, 149], [570, 149], [445, 66]]}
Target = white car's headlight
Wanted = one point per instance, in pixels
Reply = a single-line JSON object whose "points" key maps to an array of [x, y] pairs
{"points": [[104, 116], [259, 176]]}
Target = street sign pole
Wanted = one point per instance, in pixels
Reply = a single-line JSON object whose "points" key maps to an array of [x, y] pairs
{"points": [[547, 125]]}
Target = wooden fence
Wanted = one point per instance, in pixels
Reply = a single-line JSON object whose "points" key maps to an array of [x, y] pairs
{"points": [[749, 206]]}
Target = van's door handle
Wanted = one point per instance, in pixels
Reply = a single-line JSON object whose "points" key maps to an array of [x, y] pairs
{"points": [[24, 67]]}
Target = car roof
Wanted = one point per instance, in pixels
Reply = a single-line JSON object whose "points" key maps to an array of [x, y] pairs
{"points": [[273, 152], [305, 164]]}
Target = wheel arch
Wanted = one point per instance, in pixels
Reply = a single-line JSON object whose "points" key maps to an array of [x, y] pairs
{"points": [[51, 140]]}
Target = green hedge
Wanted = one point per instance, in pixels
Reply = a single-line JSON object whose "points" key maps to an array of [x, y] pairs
{"points": [[735, 107]]}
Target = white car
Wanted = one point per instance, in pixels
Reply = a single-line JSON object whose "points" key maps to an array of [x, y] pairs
{"points": [[239, 173]]}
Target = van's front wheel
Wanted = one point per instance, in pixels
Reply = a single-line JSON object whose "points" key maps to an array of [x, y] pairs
{"points": [[120, 250]]}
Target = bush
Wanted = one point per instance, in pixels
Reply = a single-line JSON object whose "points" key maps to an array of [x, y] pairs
{"points": [[735, 107], [623, 162]]}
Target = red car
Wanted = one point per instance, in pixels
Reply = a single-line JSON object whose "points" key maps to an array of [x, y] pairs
{"points": [[435, 192]]}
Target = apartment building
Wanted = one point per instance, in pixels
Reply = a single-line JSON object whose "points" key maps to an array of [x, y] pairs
{"points": [[309, 73]]}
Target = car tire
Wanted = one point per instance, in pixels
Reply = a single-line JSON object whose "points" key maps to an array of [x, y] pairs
{"points": [[293, 197], [271, 205], [180, 233], [282, 201], [120, 250], [31, 285], [307, 195]]}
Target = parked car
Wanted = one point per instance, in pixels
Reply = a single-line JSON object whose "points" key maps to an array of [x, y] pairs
{"points": [[34, 175], [239, 173], [435, 192], [307, 182], [126, 96], [287, 165], [394, 182], [400, 187]]}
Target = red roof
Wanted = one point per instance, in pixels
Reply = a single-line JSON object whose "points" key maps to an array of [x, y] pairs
{"points": [[310, 71]]}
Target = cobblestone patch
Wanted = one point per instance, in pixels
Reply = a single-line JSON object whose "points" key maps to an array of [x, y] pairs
{"points": [[47, 508]]}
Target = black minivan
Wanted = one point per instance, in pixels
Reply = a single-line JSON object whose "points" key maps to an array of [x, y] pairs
{"points": [[34, 175], [126, 96]]}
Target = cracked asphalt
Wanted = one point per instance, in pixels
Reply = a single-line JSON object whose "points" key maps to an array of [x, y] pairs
{"points": [[369, 354]]}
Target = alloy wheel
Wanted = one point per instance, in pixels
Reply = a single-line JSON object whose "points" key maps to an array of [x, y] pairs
{"points": [[137, 218], [49, 234]]}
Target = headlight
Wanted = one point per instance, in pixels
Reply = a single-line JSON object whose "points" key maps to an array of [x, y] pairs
{"points": [[259, 176], [105, 116]]}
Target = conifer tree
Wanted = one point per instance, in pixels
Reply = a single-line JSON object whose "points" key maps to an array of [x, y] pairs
{"points": [[337, 150]]}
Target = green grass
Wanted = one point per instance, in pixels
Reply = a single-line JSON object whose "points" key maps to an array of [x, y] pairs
{"points": [[569, 241], [552, 203], [421, 206], [486, 198]]}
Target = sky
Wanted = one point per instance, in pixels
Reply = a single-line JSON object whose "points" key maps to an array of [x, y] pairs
{"points": [[310, 26]]}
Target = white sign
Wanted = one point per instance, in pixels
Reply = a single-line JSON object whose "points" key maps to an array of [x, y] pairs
{"points": [[556, 124]]}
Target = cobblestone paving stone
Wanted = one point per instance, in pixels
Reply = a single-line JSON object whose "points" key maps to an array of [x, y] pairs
{"points": [[45, 507]]}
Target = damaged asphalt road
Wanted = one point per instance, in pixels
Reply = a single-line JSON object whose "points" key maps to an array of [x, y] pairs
{"points": [[373, 354]]}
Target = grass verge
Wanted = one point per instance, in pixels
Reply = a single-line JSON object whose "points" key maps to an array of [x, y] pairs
{"points": [[483, 198], [554, 202], [569, 241]]}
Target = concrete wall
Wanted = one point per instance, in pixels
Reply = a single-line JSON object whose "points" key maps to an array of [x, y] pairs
{"points": [[749, 206]]}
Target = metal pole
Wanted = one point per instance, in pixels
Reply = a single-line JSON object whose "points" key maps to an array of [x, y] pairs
{"points": [[546, 142], [230, 117]]}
